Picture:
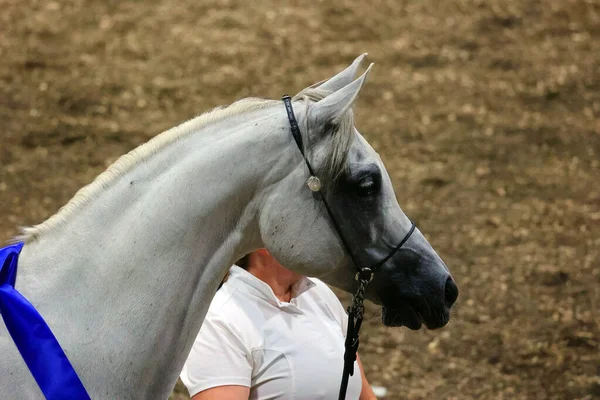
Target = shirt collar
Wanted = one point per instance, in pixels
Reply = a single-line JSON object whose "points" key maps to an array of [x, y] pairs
{"points": [[244, 281]]}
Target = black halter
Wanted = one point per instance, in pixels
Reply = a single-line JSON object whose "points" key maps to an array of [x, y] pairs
{"points": [[364, 274]]}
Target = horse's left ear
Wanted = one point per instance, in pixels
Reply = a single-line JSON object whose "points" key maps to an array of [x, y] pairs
{"points": [[332, 107], [343, 78]]}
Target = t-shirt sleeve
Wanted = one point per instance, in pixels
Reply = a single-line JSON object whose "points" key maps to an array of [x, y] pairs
{"points": [[219, 357]]}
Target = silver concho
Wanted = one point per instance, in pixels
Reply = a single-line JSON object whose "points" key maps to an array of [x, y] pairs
{"points": [[313, 183]]}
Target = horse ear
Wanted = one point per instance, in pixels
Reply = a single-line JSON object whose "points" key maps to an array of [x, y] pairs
{"points": [[343, 78], [332, 107]]}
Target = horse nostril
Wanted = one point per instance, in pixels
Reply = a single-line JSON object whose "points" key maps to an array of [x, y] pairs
{"points": [[450, 291]]}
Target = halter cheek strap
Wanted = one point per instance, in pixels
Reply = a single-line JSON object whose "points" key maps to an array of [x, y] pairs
{"points": [[366, 271], [364, 274], [298, 138]]}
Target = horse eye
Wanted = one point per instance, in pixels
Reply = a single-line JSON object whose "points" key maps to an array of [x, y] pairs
{"points": [[367, 186]]}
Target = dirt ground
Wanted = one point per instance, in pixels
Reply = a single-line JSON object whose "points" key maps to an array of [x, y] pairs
{"points": [[486, 113]]}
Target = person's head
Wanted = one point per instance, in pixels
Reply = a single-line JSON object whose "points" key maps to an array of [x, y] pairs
{"points": [[262, 260], [255, 258], [263, 265]]}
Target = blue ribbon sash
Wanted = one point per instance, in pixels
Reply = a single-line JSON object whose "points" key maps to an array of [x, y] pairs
{"points": [[39, 348]]}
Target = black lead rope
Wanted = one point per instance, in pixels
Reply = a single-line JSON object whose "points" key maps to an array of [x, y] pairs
{"points": [[364, 274]]}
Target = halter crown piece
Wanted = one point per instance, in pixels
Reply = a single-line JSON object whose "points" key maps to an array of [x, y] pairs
{"points": [[364, 274]]}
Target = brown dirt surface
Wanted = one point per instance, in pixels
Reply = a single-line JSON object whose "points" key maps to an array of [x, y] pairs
{"points": [[486, 113]]}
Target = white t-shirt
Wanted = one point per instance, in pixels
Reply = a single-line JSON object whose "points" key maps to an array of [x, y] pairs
{"points": [[280, 350]]}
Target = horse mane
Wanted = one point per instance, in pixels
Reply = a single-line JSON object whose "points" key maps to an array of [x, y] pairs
{"points": [[340, 145], [127, 161]]}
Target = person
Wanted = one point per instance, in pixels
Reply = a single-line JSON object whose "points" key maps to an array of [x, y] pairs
{"points": [[271, 334]]}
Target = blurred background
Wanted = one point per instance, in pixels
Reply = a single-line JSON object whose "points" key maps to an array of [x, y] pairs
{"points": [[486, 114]]}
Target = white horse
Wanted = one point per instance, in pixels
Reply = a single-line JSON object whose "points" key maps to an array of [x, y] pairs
{"points": [[124, 273]]}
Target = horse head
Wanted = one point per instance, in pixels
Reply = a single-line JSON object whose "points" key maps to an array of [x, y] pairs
{"points": [[364, 226]]}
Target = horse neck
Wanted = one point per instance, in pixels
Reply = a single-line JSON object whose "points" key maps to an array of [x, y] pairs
{"points": [[126, 282]]}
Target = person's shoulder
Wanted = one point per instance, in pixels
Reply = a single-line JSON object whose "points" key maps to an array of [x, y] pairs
{"points": [[227, 311], [234, 307], [221, 300], [322, 290], [320, 285], [225, 307], [227, 300]]}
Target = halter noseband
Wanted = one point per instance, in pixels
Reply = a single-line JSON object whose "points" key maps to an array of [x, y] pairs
{"points": [[364, 274]]}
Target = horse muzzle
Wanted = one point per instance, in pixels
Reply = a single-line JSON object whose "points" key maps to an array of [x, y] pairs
{"points": [[421, 292]]}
